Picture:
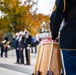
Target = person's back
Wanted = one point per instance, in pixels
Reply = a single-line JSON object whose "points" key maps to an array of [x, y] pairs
{"points": [[65, 9], [69, 5], [68, 32]]}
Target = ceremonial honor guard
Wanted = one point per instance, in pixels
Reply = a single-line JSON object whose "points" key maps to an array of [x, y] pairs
{"points": [[65, 10]]}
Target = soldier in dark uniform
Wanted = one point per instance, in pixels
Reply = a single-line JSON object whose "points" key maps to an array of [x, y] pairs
{"points": [[65, 10], [27, 42]]}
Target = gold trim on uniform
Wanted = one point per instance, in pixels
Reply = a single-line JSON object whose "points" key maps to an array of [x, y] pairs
{"points": [[54, 8], [64, 5]]}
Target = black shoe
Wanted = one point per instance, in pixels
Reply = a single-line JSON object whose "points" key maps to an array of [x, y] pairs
{"points": [[1, 56], [61, 74], [5, 56], [21, 63]]}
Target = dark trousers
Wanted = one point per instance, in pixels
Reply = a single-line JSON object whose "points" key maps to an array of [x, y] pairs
{"points": [[35, 49], [32, 49], [17, 56], [69, 61], [21, 56], [26, 54], [2, 51]]}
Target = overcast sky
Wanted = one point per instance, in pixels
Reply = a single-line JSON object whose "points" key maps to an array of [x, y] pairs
{"points": [[45, 6]]}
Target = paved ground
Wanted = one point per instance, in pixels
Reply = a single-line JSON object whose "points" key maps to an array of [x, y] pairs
{"points": [[8, 66]]}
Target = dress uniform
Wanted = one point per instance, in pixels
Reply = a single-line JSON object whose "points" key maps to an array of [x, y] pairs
{"points": [[27, 42], [65, 10]]}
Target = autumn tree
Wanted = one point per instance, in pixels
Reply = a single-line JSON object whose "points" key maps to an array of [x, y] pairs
{"points": [[33, 21], [17, 16]]}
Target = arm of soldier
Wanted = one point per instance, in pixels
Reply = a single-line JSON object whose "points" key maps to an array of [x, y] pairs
{"points": [[56, 18]]}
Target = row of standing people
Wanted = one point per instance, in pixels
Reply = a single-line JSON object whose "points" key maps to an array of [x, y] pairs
{"points": [[21, 41]]}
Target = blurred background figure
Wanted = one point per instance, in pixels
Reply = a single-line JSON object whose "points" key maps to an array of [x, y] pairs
{"points": [[16, 38], [27, 42], [4, 46], [21, 47]]}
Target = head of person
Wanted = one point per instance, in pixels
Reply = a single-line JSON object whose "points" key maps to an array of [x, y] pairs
{"points": [[20, 33], [17, 34], [26, 33]]}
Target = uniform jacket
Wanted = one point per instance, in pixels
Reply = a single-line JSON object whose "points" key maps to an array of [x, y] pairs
{"points": [[61, 11], [29, 40]]}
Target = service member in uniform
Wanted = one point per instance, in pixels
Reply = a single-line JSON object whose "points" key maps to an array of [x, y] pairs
{"points": [[65, 10], [27, 43]]}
